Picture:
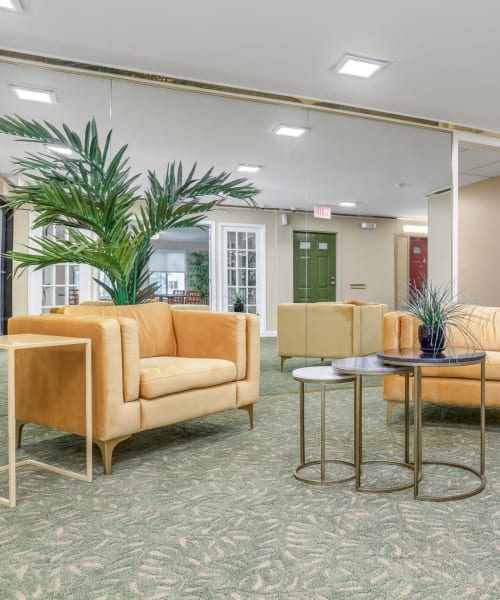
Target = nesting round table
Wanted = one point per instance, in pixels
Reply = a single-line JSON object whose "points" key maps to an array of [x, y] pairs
{"points": [[324, 376]]}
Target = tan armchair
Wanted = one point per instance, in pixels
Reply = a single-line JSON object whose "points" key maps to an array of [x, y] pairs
{"points": [[329, 329], [151, 367], [449, 386]]}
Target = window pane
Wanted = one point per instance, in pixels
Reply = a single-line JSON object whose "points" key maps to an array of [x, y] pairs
{"points": [[242, 259], [252, 259], [251, 241], [252, 277], [48, 276], [176, 261], [60, 274], [74, 275], [176, 282], [242, 240], [60, 295], [231, 239], [231, 258], [231, 277], [242, 278]]}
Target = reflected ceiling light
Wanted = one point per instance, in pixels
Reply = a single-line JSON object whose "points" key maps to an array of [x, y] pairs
{"points": [[61, 150], [359, 66], [347, 204], [289, 130], [248, 168], [13, 5], [33, 94], [415, 229]]}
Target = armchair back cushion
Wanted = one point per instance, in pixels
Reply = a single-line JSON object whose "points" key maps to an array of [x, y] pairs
{"points": [[154, 324]]}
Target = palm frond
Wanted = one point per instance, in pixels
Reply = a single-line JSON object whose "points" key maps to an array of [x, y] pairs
{"points": [[93, 194]]}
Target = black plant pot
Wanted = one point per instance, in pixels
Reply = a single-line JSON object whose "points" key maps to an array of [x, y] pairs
{"points": [[238, 307], [431, 338]]}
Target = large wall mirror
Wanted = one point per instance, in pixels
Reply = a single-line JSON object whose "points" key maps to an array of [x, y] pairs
{"points": [[374, 177]]}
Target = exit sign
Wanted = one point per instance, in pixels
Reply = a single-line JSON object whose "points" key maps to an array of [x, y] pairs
{"points": [[322, 212]]}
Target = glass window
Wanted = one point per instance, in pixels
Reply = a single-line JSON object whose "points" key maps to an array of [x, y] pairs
{"points": [[241, 268], [60, 283], [168, 268]]}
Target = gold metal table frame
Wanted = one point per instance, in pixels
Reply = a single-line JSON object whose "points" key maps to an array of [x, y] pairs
{"points": [[24, 341], [323, 375], [414, 358], [370, 365]]}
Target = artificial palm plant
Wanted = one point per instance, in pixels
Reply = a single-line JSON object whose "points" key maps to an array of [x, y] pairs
{"points": [[92, 193]]}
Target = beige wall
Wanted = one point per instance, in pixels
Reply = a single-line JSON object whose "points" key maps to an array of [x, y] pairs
{"points": [[363, 256], [478, 242]]}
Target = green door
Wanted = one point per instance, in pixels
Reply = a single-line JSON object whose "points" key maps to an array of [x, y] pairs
{"points": [[314, 267]]}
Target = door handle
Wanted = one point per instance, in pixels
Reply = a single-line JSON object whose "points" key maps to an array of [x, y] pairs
{"points": [[332, 280]]}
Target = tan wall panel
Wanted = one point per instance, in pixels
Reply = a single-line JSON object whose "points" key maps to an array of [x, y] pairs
{"points": [[478, 247]]}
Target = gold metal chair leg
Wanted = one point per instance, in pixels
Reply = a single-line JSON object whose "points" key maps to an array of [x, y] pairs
{"points": [[249, 409], [106, 449], [283, 358], [19, 430]]}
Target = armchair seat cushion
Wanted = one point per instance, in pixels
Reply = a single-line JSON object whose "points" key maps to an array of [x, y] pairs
{"points": [[162, 375]]}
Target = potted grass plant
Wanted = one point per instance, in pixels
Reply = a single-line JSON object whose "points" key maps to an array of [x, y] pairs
{"points": [[439, 313], [239, 299]]}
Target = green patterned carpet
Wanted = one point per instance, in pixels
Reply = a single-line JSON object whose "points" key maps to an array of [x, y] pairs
{"points": [[209, 510]]}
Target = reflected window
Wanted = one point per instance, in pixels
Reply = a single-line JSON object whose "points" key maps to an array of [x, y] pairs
{"points": [[168, 269], [241, 269], [60, 283]]}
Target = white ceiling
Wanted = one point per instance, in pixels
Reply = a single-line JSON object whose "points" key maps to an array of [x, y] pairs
{"points": [[443, 63]]}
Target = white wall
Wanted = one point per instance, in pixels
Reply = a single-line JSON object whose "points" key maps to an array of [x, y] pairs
{"points": [[439, 251]]}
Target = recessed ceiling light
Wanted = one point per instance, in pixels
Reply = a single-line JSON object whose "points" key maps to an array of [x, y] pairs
{"points": [[347, 204], [416, 229], [248, 168], [14, 5], [33, 94], [359, 66], [289, 130]]}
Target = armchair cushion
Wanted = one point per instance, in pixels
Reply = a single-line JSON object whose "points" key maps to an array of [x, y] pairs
{"points": [[166, 375], [153, 340]]}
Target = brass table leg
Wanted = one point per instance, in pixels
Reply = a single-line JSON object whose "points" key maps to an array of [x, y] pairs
{"points": [[358, 440], [418, 446], [302, 427], [323, 461]]}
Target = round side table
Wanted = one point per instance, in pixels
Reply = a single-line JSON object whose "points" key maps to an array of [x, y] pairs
{"points": [[324, 376], [416, 359], [371, 365]]}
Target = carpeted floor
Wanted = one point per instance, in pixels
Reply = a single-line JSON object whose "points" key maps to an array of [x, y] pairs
{"points": [[209, 510]]}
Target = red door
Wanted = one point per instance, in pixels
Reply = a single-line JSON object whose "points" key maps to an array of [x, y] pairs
{"points": [[418, 262]]}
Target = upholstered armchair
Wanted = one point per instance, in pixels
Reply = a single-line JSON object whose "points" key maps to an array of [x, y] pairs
{"points": [[329, 329], [151, 367]]}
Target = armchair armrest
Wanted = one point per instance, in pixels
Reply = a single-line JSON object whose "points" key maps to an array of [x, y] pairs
{"points": [[49, 397]]}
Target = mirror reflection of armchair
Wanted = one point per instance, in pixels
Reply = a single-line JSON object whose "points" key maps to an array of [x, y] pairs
{"points": [[330, 329]]}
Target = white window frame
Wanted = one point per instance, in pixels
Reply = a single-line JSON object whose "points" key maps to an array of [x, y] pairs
{"points": [[35, 278], [260, 246]]}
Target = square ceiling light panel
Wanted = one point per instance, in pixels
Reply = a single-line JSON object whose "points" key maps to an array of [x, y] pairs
{"points": [[289, 130], [359, 66], [12, 5], [248, 168], [33, 94]]}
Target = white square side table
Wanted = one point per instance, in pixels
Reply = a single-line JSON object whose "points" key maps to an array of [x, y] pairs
{"points": [[25, 341]]}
